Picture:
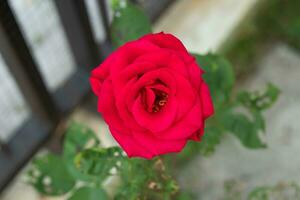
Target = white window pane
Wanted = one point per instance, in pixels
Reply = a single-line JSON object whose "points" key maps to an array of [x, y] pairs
{"points": [[13, 109], [95, 19], [45, 36]]}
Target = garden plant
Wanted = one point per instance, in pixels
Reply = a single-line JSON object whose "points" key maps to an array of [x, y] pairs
{"points": [[143, 167]]}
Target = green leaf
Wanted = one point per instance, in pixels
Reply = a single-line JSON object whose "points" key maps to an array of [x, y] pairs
{"points": [[145, 179], [129, 23], [259, 121], [49, 175], [218, 75], [260, 193], [244, 129], [210, 140], [185, 196], [282, 190], [77, 138], [99, 162], [86, 193], [258, 101]]}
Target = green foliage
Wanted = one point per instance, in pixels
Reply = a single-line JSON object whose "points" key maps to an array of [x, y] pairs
{"points": [[218, 75], [83, 160], [281, 191], [240, 115], [244, 129], [86, 193], [242, 126], [260, 193], [206, 147], [274, 20], [91, 161], [282, 20], [145, 179], [256, 101], [49, 175], [211, 138], [54, 175], [246, 126], [129, 23], [77, 138], [185, 196], [234, 190]]}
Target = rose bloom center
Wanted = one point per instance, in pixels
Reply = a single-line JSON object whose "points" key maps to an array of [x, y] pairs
{"points": [[160, 100]]}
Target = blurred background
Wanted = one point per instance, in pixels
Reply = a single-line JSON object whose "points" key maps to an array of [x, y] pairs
{"points": [[48, 47]]}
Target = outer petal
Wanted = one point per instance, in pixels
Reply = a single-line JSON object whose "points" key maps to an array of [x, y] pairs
{"points": [[164, 40], [195, 73], [170, 43], [207, 103], [134, 70], [96, 85], [128, 53], [106, 105], [157, 145], [165, 58], [130, 146], [99, 74]]}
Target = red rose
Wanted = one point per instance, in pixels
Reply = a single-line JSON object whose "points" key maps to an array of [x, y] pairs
{"points": [[152, 95]]}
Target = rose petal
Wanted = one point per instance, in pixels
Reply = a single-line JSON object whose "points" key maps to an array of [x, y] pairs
{"points": [[123, 110], [149, 98], [98, 75], [130, 146], [135, 70], [164, 40], [188, 125], [164, 58], [106, 105], [185, 95], [195, 73], [207, 105], [127, 54], [154, 122], [96, 85], [157, 145]]}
